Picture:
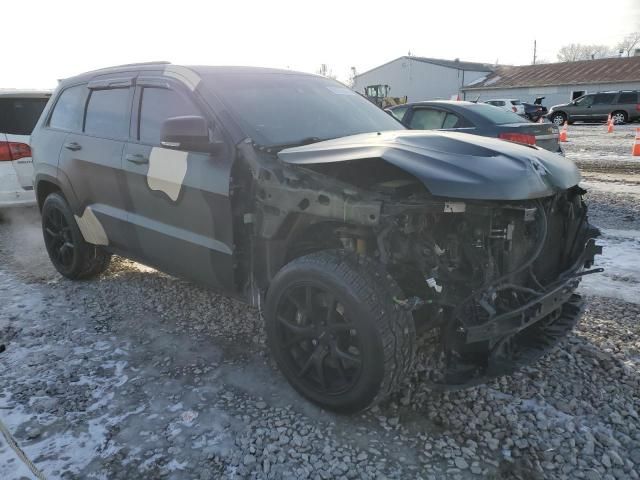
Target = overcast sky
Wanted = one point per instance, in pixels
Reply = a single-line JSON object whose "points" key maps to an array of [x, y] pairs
{"points": [[47, 40]]}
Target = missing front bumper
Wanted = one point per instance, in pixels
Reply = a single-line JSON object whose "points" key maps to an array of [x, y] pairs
{"points": [[452, 371], [470, 354]]}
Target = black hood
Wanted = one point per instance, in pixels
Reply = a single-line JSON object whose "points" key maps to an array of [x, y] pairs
{"points": [[452, 164]]}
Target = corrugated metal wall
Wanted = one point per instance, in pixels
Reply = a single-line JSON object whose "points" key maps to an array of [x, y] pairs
{"points": [[553, 95], [417, 80]]}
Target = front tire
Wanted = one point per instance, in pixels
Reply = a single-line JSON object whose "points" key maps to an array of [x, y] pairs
{"points": [[71, 256], [335, 331]]}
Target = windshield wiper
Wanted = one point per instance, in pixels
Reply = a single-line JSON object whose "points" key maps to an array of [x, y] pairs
{"points": [[299, 143]]}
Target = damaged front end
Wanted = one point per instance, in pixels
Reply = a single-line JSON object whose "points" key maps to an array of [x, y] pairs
{"points": [[489, 271], [490, 283]]}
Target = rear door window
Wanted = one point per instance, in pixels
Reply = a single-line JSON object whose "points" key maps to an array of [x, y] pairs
{"points": [[108, 113], [18, 116], [604, 98], [628, 97], [157, 105], [427, 119], [69, 109]]}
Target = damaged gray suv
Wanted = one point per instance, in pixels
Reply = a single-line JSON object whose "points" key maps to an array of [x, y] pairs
{"points": [[357, 238]]}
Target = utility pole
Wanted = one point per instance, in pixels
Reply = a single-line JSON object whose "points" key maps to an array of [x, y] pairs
{"points": [[534, 52]]}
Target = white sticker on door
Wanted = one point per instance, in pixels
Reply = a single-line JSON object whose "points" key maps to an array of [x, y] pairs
{"points": [[167, 169]]}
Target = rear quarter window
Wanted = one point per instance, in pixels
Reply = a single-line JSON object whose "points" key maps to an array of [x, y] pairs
{"points": [[604, 98], [69, 109], [108, 113], [628, 97], [18, 116]]}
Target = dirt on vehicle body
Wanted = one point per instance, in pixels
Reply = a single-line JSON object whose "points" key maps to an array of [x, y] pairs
{"points": [[353, 233]]}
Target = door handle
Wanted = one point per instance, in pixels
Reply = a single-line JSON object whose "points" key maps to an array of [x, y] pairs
{"points": [[137, 159], [73, 146]]}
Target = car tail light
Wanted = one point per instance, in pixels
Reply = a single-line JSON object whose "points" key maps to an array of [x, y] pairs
{"points": [[10, 151], [519, 138], [638, 107], [514, 109]]}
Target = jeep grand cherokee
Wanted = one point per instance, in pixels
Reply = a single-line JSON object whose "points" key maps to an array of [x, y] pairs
{"points": [[353, 235]]}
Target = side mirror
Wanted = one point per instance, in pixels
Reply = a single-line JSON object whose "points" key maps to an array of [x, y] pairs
{"points": [[189, 133]]}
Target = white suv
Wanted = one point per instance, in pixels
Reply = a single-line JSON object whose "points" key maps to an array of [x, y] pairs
{"points": [[19, 112], [510, 104]]}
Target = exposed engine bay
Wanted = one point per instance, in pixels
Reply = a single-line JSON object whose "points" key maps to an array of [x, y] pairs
{"points": [[482, 277], [490, 282]]}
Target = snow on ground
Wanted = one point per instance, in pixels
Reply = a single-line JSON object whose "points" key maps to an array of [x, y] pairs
{"points": [[621, 260], [612, 187], [591, 143]]}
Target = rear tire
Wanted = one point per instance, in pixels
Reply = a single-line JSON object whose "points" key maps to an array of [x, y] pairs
{"points": [[71, 256], [619, 117], [335, 331], [558, 118]]}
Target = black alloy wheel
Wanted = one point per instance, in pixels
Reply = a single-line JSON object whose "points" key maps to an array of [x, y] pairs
{"points": [[320, 341], [70, 254], [58, 239], [336, 332]]}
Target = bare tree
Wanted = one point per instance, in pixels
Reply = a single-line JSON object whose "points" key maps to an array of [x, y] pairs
{"points": [[629, 43], [352, 77], [325, 71], [576, 51]]}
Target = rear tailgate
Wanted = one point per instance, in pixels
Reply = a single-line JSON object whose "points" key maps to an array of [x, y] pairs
{"points": [[546, 134], [18, 116]]}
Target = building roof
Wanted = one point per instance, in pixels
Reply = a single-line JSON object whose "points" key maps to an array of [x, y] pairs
{"points": [[456, 64], [604, 70]]}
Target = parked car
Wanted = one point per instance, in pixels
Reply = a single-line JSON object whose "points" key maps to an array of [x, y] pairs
{"points": [[349, 232], [623, 106], [535, 111], [477, 119], [19, 112], [509, 104]]}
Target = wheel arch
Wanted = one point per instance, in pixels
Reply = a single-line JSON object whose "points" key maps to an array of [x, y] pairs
{"points": [[623, 112], [300, 235], [47, 184], [45, 187]]}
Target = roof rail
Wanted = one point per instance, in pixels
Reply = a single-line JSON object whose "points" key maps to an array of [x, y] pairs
{"points": [[163, 62]]}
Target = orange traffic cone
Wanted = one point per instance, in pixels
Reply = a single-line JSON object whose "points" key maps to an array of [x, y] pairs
{"points": [[636, 146], [610, 124], [563, 133]]}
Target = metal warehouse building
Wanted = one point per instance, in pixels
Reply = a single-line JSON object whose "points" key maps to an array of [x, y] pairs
{"points": [[557, 82], [421, 78]]}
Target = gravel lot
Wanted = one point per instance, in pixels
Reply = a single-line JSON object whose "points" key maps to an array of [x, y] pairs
{"points": [[140, 375]]}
